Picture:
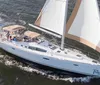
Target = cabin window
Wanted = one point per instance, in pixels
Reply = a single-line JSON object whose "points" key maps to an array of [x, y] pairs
{"points": [[75, 64], [46, 58], [13, 48], [79, 55], [54, 47], [58, 51], [32, 48], [65, 52], [37, 49], [42, 50], [22, 45], [94, 61], [25, 46]]}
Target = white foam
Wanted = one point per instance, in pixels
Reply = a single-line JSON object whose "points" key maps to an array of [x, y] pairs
{"points": [[8, 63], [1, 56], [48, 74], [22, 22]]}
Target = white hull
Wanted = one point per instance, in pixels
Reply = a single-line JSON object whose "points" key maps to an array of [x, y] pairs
{"points": [[48, 59]]}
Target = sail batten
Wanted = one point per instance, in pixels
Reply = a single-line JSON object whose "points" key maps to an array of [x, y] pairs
{"points": [[84, 24], [52, 16]]}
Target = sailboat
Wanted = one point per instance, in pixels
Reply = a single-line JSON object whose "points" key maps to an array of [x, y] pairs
{"points": [[83, 26]]}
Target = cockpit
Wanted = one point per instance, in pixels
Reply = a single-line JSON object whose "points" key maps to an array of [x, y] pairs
{"points": [[19, 33]]}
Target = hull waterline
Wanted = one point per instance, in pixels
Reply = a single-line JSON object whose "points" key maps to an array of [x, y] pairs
{"points": [[64, 65]]}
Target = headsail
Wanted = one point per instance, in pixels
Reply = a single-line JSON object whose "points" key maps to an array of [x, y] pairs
{"points": [[52, 16], [84, 23]]}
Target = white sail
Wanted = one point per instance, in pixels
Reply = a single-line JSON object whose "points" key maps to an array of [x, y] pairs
{"points": [[52, 16], [84, 23]]}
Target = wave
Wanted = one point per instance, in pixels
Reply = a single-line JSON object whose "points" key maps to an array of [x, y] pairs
{"points": [[7, 20], [9, 61]]}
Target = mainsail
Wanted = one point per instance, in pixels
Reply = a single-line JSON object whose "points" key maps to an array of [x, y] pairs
{"points": [[84, 24], [52, 16]]}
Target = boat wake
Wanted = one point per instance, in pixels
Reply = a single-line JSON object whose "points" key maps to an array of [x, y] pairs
{"points": [[9, 61]]}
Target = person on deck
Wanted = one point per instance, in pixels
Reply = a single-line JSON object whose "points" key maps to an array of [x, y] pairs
{"points": [[8, 35], [14, 39]]}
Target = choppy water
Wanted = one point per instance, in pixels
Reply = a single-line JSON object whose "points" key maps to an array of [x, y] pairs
{"points": [[14, 72]]}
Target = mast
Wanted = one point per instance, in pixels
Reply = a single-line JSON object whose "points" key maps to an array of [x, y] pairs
{"points": [[64, 26]]}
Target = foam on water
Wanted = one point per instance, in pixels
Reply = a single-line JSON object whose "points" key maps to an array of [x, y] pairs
{"points": [[9, 61]]}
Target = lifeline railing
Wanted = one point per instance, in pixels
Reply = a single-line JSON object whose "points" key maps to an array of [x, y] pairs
{"points": [[90, 52], [87, 53]]}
